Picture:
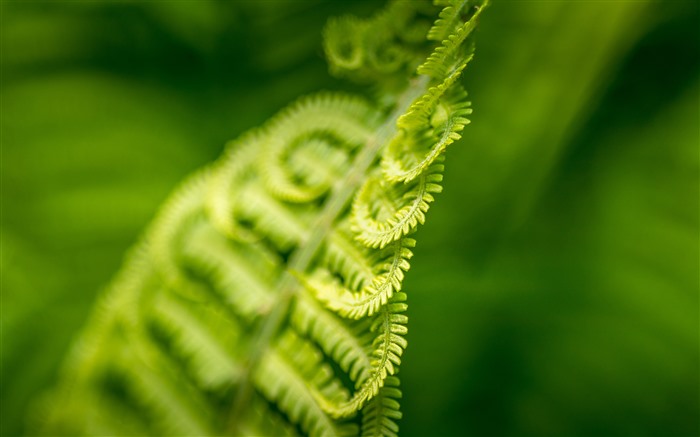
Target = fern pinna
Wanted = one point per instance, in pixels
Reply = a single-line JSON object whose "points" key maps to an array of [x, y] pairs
{"points": [[265, 299]]}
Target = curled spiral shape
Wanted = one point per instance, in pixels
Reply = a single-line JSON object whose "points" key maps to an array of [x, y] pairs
{"points": [[314, 134], [432, 123]]}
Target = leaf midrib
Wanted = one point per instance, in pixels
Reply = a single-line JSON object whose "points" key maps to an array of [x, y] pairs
{"points": [[301, 258]]}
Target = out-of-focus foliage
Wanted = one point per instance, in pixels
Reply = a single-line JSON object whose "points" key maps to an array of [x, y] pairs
{"points": [[555, 289], [105, 108]]}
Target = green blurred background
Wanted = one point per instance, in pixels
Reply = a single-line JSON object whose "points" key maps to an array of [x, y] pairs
{"points": [[555, 286]]}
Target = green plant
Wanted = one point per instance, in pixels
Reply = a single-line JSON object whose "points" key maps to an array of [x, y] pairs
{"points": [[266, 296]]}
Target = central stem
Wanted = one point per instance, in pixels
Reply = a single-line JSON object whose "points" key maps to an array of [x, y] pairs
{"points": [[302, 257]]}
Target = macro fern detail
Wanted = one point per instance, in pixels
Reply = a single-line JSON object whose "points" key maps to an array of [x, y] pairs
{"points": [[266, 297]]}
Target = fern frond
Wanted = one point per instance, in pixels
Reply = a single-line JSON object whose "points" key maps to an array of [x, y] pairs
{"points": [[384, 54], [367, 301], [245, 291], [379, 416], [181, 210], [432, 124], [342, 43], [422, 112], [344, 121], [388, 346], [267, 295], [173, 404], [281, 381], [343, 343], [454, 48], [344, 256], [233, 171], [201, 340], [377, 48], [376, 225], [284, 225], [449, 19]]}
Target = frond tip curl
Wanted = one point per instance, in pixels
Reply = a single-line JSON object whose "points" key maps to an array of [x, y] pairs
{"points": [[367, 301], [431, 124], [379, 221]]}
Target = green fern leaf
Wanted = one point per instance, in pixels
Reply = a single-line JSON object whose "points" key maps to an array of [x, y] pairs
{"points": [[383, 212], [365, 302], [381, 413], [266, 297], [454, 48]]}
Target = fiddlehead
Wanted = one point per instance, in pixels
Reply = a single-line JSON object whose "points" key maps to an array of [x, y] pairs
{"points": [[267, 297]]}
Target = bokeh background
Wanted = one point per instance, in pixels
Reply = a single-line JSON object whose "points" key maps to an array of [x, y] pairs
{"points": [[555, 287]]}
